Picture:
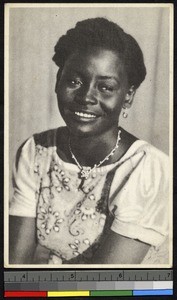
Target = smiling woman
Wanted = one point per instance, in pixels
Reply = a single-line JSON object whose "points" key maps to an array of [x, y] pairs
{"points": [[90, 192], [91, 92]]}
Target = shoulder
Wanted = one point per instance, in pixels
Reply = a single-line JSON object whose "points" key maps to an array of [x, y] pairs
{"points": [[49, 138], [151, 156], [136, 146], [143, 151], [142, 168], [151, 150], [44, 139], [154, 168]]}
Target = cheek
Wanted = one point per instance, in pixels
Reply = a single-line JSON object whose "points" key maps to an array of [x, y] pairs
{"points": [[112, 106], [61, 99], [64, 94]]}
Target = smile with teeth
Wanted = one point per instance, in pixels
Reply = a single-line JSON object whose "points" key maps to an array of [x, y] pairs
{"points": [[85, 115]]}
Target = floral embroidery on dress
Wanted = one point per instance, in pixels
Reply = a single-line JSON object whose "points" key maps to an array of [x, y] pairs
{"points": [[58, 178], [51, 219], [69, 221]]}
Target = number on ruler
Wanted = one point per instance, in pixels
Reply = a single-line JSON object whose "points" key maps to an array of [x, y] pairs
{"points": [[72, 276], [23, 278]]}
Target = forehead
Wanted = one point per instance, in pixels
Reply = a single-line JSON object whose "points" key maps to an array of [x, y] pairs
{"points": [[96, 61]]}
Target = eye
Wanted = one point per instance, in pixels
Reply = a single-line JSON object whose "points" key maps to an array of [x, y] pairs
{"points": [[74, 82], [106, 88]]}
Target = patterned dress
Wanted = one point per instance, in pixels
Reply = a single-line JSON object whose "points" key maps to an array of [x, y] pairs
{"points": [[130, 196]]}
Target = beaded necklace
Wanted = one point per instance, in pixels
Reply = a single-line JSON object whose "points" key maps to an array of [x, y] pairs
{"points": [[86, 171]]}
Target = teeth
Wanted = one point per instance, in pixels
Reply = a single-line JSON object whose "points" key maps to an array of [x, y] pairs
{"points": [[81, 114]]}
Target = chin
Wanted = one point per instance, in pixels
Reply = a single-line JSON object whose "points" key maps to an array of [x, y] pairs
{"points": [[87, 131], [90, 128], [82, 132], [82, 128]]}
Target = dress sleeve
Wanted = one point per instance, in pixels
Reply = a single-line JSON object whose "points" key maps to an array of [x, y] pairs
{"points": [[141, 205], [23, 202]]}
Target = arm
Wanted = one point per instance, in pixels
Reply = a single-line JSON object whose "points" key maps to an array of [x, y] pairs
{"points": [[117, 249], [139, 210], [22, 239], [22, 210]]}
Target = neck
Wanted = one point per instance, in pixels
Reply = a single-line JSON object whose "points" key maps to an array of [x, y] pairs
{"points": [[93, 149]]}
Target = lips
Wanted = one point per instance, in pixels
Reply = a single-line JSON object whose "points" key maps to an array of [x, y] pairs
{"points": [[85, 115]]}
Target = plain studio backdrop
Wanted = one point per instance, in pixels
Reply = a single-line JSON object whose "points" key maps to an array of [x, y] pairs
{"points": [[33, 33]]}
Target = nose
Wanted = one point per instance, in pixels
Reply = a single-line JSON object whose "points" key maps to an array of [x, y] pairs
{"points": [[86, 95]]}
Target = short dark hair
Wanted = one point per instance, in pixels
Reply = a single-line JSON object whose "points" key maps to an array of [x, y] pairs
{"points": [[100, 32]]}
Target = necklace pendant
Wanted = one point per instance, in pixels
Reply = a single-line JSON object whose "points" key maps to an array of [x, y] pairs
{"points": [[85, 172]]}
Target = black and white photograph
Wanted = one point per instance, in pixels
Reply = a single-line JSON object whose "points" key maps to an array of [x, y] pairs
{"points": [[88, 135]]}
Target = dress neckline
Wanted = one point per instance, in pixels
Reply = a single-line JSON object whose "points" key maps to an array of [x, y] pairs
{"points": [[103, 169]]}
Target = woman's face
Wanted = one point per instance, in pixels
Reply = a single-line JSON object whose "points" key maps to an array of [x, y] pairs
{"points": [[91, 91]]}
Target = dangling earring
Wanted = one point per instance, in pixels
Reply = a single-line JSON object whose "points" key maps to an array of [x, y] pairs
{"points": [[128, 101], [124, 114]]}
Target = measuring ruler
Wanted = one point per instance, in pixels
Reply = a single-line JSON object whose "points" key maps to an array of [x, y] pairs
{"points": [[88, 283]]}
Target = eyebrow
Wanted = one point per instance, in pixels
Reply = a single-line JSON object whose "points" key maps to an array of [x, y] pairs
{"points": [[101, 77], [108, 77]]}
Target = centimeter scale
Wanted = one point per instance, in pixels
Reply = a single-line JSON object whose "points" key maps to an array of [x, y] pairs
{"points": [[88, 283]]}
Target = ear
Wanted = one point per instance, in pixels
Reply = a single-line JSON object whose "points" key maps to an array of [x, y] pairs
{"points": [[129, 97]]}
